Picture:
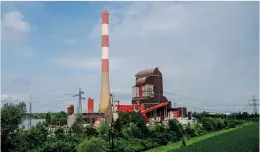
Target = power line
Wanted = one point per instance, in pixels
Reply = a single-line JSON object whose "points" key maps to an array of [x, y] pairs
{"points": [[193, 99], [41, 97]]}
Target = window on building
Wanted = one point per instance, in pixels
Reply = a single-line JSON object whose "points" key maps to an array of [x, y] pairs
{"points": [[148, 90]]}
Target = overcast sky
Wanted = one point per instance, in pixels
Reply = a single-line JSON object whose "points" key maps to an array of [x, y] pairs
{"points": [[207, 52]]}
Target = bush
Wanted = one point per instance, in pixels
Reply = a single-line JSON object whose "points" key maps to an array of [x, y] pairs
{"points": [[32, 138], [190, 132], [104, 130], [59, 132], [94, 144], [59, 146], [90, 131], [208, 124], [132, 131], [174, 126]]}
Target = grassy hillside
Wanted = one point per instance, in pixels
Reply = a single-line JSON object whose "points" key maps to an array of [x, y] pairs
{"points": [[243, 139]]}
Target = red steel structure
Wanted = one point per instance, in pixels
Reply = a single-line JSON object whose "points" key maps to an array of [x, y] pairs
{"points": [[90, 105], [125, 108]]}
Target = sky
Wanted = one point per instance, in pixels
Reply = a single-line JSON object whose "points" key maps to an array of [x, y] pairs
{"points": [[208, 52]]}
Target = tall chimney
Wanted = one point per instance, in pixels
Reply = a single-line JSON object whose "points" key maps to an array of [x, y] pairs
{"points": [[105, 104]]}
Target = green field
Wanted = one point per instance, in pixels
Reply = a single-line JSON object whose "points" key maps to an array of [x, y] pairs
{"points": [[242, 139]]}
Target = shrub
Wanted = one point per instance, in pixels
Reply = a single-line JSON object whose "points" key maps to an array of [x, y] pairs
{"points": [[59, 132], [90, 131], [190, 132], [94, 144], [132, 131], [59, 146], [174, 126]]}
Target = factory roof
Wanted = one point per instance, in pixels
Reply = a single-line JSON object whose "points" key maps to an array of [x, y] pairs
{"points": [[147, 72], [140, 81]]}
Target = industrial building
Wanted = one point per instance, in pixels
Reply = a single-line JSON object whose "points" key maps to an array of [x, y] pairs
{"points": [[147, 94], [148, 99]]}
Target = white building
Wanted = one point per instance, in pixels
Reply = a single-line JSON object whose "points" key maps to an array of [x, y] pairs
{"points": [[186, 121]]}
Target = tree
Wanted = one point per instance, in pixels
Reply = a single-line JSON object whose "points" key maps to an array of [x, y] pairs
{"points": [[90, 131], [93, 144], [78, 127], [160, 134], [140, 122], [104, 130], [190, 132], [59, 146], [48, 118], [118, 128], [59, 132], [33, 138], [176, 127], [132, 131], [11, 117]]}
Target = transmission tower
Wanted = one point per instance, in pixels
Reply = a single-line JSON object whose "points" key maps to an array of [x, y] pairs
{"points": [[79, 109], [254, 104]]}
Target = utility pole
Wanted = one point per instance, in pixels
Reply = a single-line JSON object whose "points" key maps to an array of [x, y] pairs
{"points": [[254, 104], [30, 111], [79, 109]]}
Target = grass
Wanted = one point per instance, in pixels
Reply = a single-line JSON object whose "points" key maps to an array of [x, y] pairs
{"points": [[240, 139]]}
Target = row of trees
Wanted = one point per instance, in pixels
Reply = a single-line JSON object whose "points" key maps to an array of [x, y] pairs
{"points": [[233, 116], [128, 133]]}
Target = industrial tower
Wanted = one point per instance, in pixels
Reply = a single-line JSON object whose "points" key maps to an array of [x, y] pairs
{"points": [[105, 104]]}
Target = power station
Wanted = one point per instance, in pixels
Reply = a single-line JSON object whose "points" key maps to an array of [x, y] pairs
{"points": [[147, 94]]}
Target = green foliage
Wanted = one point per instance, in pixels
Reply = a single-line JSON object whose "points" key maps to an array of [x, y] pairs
{"points": [[48, 118], [129, 132], [78, 127], [132, 131], [59, 132], [174, 126], [199, 129], [33, 138], [118, 126], [93, 144], [59, 121], [90, 131], [125, 118], [208, 123], [59, 146], [161, 134], [11, 116], [104, 130], [190, 132]]}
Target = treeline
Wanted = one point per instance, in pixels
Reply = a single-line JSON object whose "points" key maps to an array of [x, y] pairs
{"points": [[129, 133], [56, 118], [232, 116], [61, 114]]}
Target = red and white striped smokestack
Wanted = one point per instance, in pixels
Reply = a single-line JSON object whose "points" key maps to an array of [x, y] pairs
{"points": [[105, 104], [105, 42]]}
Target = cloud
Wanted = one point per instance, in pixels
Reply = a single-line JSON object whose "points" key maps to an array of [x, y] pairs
{"points": [[78, 61], [201, 51], [14, 27], [21, 81], [205, 50], [14, 33], [70, 41]]}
